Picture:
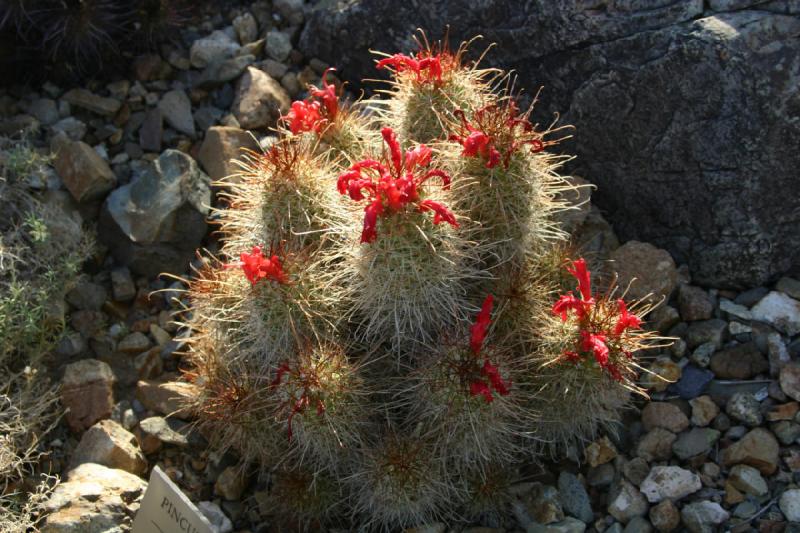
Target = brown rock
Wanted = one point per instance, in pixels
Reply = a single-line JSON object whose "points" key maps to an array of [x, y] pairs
{"points": [[656, 445], [148, 364], [740, 362], [172, 398], [704, 410], [94, 498], [790, 380], [109, 444], [648, 270], [260, 100], [664, 415], [758, 448], [92, 102], [600, 452], [784, 411], [231, 483], [665, 516], [87, 391], [221, 146], [694, 303], [154, 432], [85, 174], [662, 373]]}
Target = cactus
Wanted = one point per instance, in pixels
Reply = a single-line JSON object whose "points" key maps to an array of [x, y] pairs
{"points": [[389, 326]]}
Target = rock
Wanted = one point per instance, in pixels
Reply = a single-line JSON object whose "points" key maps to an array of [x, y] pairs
{"points": [[109, 444], [278, 45], [152, 130], [161, 337], [780, 311], [88, 100], [701, 517], [73, 128], [704, 410], [744, 408], [85, 174], [636, 469], [177, 111], [669, 482], [777, 352], [155, 223], [220, 147], [260, 100], [568, 525], [44, 110], [788, 286], [701, 356], [734, 310], [218, 73], [664, 415], [748, 480], [542, 504], [155, 431], [694, 303], [626, 502], [148, 364], [706, 331], [600, 452], [693, 382], [134, 343], [122, 286], [695, 442], [663, 373], [231, 483], [743, 361], [652, 269], [790, 505], [87, 391], [758, 448], [665, 517], [169, 399], [785, 411], [216, 47], [215, 515], [574, 498], [87, 296], [246, 28], [656, 445], [93, 498], [790, 380]]}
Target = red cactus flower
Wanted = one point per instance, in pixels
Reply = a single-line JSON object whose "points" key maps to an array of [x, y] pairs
{"points": [[566, 303], [580, 272], [426, 66], [480, 387], [491, 372], [482, 321], [328, 96], [304, 116], [596, 344], [257, 267], [395, 187], [626, 320]]}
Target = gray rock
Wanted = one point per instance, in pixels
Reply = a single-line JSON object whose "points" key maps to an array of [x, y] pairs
{"points": [[215, 515], [93, 499], [638, 524], [122, 286], [134, 343], [153, 432], [574, 498], [216, 47], [780, 311], [45, 110], [777, 352], [542, 504], [788, 286], [701, 356], [173, 398], [704, 331], [154, 223], [222, 71], [648, 270], [695, 442], [73, 128], [735, 310], [94, 103], [664, 415], [231, 483], [607, 70], [669, 482], [177, 111], [790, 505], [786, 431], [693, 382], [626, 502], [246, 27], [655, 445], [694, 303], [152, 130], [744, 408], [703, 516], [568, 525], [748, 480], [87, 296], [260, 100], [87, 391], [278, 45]]}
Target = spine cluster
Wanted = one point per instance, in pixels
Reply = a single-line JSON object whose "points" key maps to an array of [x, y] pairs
{"points": [[392, 320]]}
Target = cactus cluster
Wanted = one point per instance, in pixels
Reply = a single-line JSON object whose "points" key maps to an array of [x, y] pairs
{"points": [[390, 328]]}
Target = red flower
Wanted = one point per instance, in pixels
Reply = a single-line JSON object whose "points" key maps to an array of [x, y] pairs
{"points": [[476, 142], [430, 64], [582, 274], [491, 371], [328, 96], [568, 302], [395, 187], [626, 320], [256, 267], [482, 321], [479, 387], [596, 344], [304, 116]]}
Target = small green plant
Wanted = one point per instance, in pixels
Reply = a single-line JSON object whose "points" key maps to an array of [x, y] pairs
{"points": [[391, 328], [41, 252]]}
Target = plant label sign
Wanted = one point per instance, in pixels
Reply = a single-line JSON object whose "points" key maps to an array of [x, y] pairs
{"points": [[165, 509]]}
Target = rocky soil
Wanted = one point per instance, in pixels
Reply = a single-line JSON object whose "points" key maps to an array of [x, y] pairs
{"points": [[716, 447]]}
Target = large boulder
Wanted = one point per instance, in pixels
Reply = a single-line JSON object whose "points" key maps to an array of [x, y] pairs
{"points": [[686, 116], [154, 223]]}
